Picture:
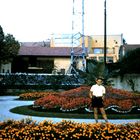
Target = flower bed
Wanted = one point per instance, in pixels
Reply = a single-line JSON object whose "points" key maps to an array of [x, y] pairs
{"points": [[74, 99], [63, 103], [27, 129], [34, 95]]}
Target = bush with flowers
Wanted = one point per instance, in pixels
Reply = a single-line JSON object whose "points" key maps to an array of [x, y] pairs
{"points": [[74, 99], [35, 95], [118, 100], [30, 130]]}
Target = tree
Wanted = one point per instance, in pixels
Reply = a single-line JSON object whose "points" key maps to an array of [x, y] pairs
{"points": [[1, 35], [130, 63], [9, 47], [1, 40]]}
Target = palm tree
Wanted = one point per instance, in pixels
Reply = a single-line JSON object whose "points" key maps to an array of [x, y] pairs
{"points": [[95, 69]]}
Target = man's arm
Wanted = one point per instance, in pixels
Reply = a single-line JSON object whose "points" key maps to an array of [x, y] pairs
{"points": [[90, 94], [103, 97], [104, 92]]}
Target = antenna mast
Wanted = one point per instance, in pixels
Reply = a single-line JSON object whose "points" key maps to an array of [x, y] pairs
{"points": [[77, 37]]}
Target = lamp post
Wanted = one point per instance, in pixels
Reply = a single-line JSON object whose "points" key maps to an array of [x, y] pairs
{"points": [[105, 34]]}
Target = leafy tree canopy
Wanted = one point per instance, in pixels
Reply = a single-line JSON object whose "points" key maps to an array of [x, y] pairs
{"points": [[1, 35], [130, 63], [9, 47]]}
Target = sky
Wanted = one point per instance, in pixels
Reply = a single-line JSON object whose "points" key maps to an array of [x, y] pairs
{"points": [[37, 20]]}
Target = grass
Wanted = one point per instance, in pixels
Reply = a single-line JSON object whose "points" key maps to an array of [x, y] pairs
{"points": [[27, 110]]}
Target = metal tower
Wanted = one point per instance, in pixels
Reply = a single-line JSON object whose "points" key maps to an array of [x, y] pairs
{"points": [[78, 38]]}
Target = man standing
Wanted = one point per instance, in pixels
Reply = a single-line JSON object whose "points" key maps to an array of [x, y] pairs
{"points": [[97, 93]]}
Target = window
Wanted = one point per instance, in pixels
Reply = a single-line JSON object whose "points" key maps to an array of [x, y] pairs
{"points": [[62, 71], [109, 59], [32, 61], [101, 59], [95, 58], [98, 51], [110, 50], [101, 50]]}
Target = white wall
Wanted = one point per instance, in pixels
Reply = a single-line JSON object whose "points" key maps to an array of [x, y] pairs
{"points": [[6, 68], [62, 63], [124, 84]]}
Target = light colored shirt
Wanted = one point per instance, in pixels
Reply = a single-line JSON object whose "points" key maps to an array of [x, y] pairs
{"points": [[98, 90]]}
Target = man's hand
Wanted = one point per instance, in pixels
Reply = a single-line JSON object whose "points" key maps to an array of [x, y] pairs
{"points": [[90, 94], [103, 97]]}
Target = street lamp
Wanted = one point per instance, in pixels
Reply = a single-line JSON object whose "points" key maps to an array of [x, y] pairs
{"points": [[105, 36]]}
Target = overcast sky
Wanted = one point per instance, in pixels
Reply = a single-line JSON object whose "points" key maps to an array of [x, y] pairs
{"points": [[36, 20]]}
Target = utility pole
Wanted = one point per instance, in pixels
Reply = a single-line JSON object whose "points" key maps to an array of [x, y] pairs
{"points": [[105, 34]]}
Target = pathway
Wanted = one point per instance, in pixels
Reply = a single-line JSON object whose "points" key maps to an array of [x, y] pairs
{"points": [[8, 102]]}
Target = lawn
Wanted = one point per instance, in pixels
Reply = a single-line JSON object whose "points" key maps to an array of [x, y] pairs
{"points": [[82, 114]]}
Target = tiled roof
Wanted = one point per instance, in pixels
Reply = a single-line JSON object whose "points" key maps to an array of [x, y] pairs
{"points": [[48, 51], [36, 44]]}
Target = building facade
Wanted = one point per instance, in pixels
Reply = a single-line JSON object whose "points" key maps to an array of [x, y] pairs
{"points": [[96, 47], [94, 44], [55, 54], [43, 60]]}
